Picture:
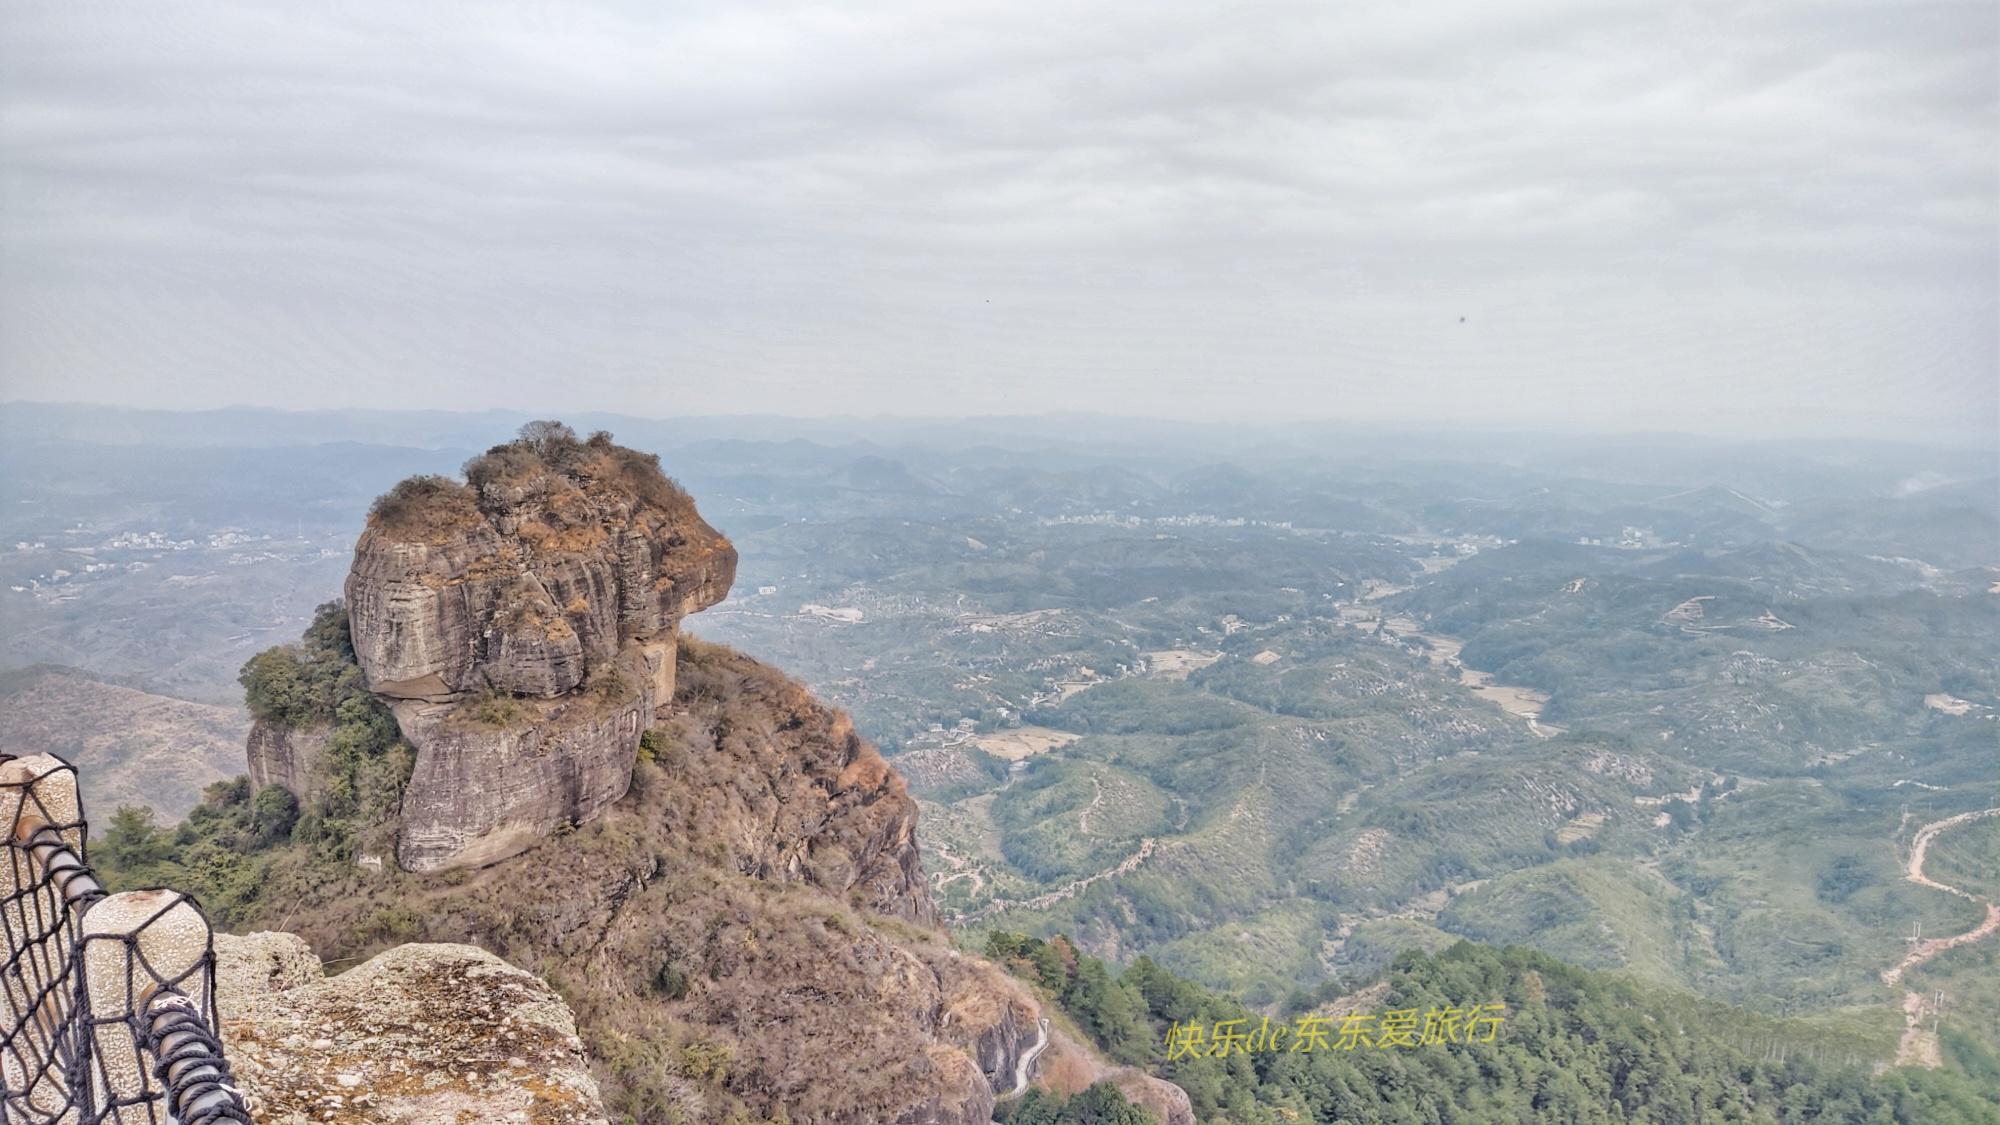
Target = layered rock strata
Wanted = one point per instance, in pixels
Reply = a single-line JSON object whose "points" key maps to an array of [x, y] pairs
{"points": [[522, 625]]}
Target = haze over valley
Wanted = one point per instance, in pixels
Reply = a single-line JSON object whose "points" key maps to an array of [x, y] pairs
{"points": [[1267, 711]]}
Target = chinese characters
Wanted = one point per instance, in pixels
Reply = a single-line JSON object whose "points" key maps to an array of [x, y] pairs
{"points": [[1389, 1030]]}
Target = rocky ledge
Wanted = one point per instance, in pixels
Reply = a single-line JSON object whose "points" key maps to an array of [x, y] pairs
{"points": [[420, 1035]]}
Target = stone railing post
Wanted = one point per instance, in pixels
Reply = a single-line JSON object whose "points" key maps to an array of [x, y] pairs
{"points": [[103, 993], [42, 1039], [147, 974]]}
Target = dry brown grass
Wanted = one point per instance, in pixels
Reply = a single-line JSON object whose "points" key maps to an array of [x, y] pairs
{"points": [[425, 509]]}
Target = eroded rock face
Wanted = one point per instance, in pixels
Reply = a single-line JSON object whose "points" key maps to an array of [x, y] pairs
{"points": [[993, 1016], [791, 790], [420, 1035], [737, 898], [282, 755], [483, 791], [752, 894], [541, 568], [523, 627]]}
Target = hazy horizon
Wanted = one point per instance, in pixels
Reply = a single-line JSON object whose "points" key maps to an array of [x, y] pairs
{"points": [[1117, 433], [1553, 215]]}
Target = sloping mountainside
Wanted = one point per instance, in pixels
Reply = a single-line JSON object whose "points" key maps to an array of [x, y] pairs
{"points": [[1572, 1046], [502, 738], [746, 928], [133, 747], [746, 931]]}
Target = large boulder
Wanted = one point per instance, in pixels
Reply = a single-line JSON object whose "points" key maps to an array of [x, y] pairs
{"points": [[548, 562], [420, 1035]]}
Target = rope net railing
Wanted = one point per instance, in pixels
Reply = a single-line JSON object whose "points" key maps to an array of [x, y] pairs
{"points": [[109, 1000]]}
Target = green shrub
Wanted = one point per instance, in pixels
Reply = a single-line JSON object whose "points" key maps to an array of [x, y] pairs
{"points": [[392, 925], [273, 814], [224, 852], [492, 707]]}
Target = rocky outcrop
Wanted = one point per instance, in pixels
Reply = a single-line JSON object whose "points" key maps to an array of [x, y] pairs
{"points": [[251, 966], [420, 1035], [282, 755], [523, 626], [1164, 1100], [740, 920], [788, 787], [547, 563], [995, 1019], [482, 791]]}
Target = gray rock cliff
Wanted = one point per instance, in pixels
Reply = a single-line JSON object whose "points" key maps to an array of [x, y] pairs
{"points": [[281, 755], [522, 625], [483, 791]]}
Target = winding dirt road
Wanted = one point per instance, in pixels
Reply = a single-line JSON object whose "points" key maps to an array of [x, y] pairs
{"points": [[1920, 1047], [1067, 890], [1024, 1067]]}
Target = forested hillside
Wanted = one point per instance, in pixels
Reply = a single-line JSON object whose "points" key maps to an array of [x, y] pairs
{"points": [[1573, 1046]]}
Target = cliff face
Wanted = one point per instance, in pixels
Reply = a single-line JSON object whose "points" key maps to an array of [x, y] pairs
{"points": [[546, 564], [482, 791], [523, 626], [281, 755]]}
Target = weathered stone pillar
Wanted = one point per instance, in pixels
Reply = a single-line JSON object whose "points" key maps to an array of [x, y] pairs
{"points": [[133, 943], [103, 979], [38, 794]]}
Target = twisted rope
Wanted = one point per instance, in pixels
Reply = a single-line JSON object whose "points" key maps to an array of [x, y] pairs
{"points": [[200, 1090]]}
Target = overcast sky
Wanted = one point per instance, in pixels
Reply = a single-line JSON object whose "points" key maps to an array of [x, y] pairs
{"points": [[1731, 217]]}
